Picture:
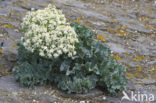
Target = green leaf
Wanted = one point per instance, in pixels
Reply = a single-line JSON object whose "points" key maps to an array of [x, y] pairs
{"points": [[64, 66]]}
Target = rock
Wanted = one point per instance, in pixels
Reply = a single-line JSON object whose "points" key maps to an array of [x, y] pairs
{"points": [[8, 100], [146, 81], [91, 94], [10, 88], [117, 48], [139, 19], [130, 86], [47, 99], [4, 12], [8, 83]]}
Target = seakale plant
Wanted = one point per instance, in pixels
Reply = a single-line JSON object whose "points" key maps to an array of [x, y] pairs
{"points": [[91, 66]]}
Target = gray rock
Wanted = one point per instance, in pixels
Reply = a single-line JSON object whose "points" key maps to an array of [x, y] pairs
{"points": [[91, 94], [117, 48], [47, 99], [130, 86]]}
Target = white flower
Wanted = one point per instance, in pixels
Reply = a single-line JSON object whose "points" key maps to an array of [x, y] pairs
{"points": [[41, 53], [32, 50], [53, 46], [25, 44], [70, 54], [51, 50], [49, 55], [28, 41], [74, 53], [65, 50], [55, 55], [59, 52], [45, 48], [47, 32]]}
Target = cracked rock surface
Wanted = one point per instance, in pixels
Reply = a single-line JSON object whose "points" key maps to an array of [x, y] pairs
{"points": [[129, 29]]}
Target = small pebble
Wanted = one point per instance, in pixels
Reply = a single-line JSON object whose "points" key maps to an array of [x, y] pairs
{"points": [[82, 101], [104, 98]]}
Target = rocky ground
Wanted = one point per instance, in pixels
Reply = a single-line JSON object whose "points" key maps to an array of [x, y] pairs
{"points": [[128, 27]]}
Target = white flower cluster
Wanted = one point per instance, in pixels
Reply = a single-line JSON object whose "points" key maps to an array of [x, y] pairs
{"points": [[47, 32]]}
